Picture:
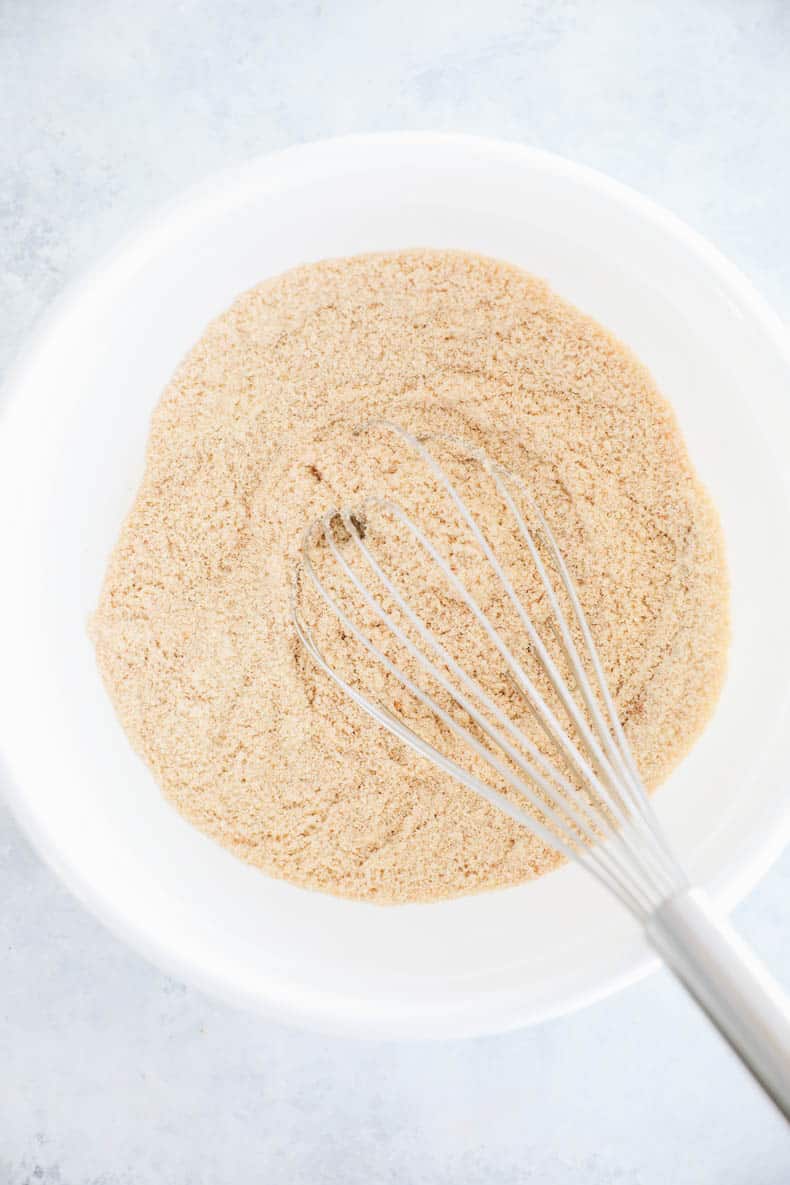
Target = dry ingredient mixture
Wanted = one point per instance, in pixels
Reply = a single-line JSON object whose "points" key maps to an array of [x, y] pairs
{"points": [[254, 437]]}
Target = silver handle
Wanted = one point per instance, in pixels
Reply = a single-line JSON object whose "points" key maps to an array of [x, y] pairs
{"points": [[732, 986]]}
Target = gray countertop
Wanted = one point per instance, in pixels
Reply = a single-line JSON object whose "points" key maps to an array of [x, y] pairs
{"points": [[113, 1074]]}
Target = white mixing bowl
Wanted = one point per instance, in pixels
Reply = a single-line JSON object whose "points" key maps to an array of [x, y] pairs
{"points": [[72, 454]]}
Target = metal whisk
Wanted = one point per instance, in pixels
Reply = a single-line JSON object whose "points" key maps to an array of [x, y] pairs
{"points": [[581, 791]]}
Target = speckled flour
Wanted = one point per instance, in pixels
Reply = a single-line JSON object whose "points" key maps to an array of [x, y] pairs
{"points": [[253, 438]]}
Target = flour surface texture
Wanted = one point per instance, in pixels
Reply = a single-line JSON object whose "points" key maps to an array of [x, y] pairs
{"points": [[254, 437]]}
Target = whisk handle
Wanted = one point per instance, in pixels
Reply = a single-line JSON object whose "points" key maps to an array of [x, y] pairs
{"points": [[730, 984]]}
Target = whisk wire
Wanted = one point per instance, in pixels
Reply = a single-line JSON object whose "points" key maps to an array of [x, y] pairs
{"points": [[665, 868], [571, 806], [608, 827], [606, 865]]}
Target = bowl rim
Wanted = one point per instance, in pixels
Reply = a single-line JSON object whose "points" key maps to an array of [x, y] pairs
{"points": [[320, 1010]]}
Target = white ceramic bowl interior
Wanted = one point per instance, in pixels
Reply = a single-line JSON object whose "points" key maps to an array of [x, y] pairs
{"points": [[74, 439]]}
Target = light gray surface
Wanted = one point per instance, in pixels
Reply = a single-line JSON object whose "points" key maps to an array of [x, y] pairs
{"points": [[112, 1074]]}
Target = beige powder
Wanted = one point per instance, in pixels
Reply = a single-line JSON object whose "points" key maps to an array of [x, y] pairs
{"points": [[253, 438]]}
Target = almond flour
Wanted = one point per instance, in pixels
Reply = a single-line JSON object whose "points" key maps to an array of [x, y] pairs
{"points": [[254, 437]]}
